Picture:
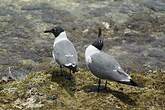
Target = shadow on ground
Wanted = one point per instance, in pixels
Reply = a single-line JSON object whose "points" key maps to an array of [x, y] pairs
{"points": [[64, 79], [120, 95]]}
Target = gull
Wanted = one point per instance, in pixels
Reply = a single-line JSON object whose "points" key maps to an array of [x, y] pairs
{"points": [[105, 66], [64, 52]]}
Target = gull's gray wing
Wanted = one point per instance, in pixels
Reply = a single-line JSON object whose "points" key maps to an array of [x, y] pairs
{"points": [[105, 66], [64, 53]]}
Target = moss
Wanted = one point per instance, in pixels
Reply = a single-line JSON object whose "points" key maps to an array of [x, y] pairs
{"points": [[27, 62], [3, 50], [53, 90]]}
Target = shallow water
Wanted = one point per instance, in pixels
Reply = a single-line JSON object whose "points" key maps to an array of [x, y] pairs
{"points": [[133, 31]]}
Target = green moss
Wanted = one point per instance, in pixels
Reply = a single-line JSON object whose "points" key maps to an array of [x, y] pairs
{"points": [[53, 90], [27, 62]]}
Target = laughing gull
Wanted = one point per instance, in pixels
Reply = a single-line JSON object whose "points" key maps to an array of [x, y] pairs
{"points": [[64, 52], [105, 66]]}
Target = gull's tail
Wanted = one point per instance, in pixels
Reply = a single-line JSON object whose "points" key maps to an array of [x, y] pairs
{"points": [[131, 82], [72, 67]]}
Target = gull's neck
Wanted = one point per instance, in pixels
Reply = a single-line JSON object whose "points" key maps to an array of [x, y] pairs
{"points": [[90, 50], [61, 36]]}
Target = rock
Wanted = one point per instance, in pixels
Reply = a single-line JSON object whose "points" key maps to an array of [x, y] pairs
{"points": [[155, 5], [31, 103]]}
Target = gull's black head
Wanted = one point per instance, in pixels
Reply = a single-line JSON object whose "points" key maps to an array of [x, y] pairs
{"points": [[56, 31], [99, 42]]}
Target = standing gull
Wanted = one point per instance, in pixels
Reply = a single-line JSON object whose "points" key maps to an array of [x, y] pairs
{"points": [[105, 66], [64, 52]]}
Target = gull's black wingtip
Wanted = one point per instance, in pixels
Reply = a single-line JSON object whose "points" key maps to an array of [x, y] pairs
{"points": [[133, 83]]}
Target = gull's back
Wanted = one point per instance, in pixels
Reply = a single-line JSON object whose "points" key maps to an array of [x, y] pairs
{"points": [[64, 53], [105, 66]]}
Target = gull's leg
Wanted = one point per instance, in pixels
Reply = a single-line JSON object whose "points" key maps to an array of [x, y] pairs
{"points": [[70, 72], [70, 76], [106, 85], [99, 82], [61, 70]]}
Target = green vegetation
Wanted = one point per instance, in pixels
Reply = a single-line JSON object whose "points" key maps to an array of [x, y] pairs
{"points": [[52, 90]]}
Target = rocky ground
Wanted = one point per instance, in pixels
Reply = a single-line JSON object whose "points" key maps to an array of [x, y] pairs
{"points": [[133, 32], [50, 91]]}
